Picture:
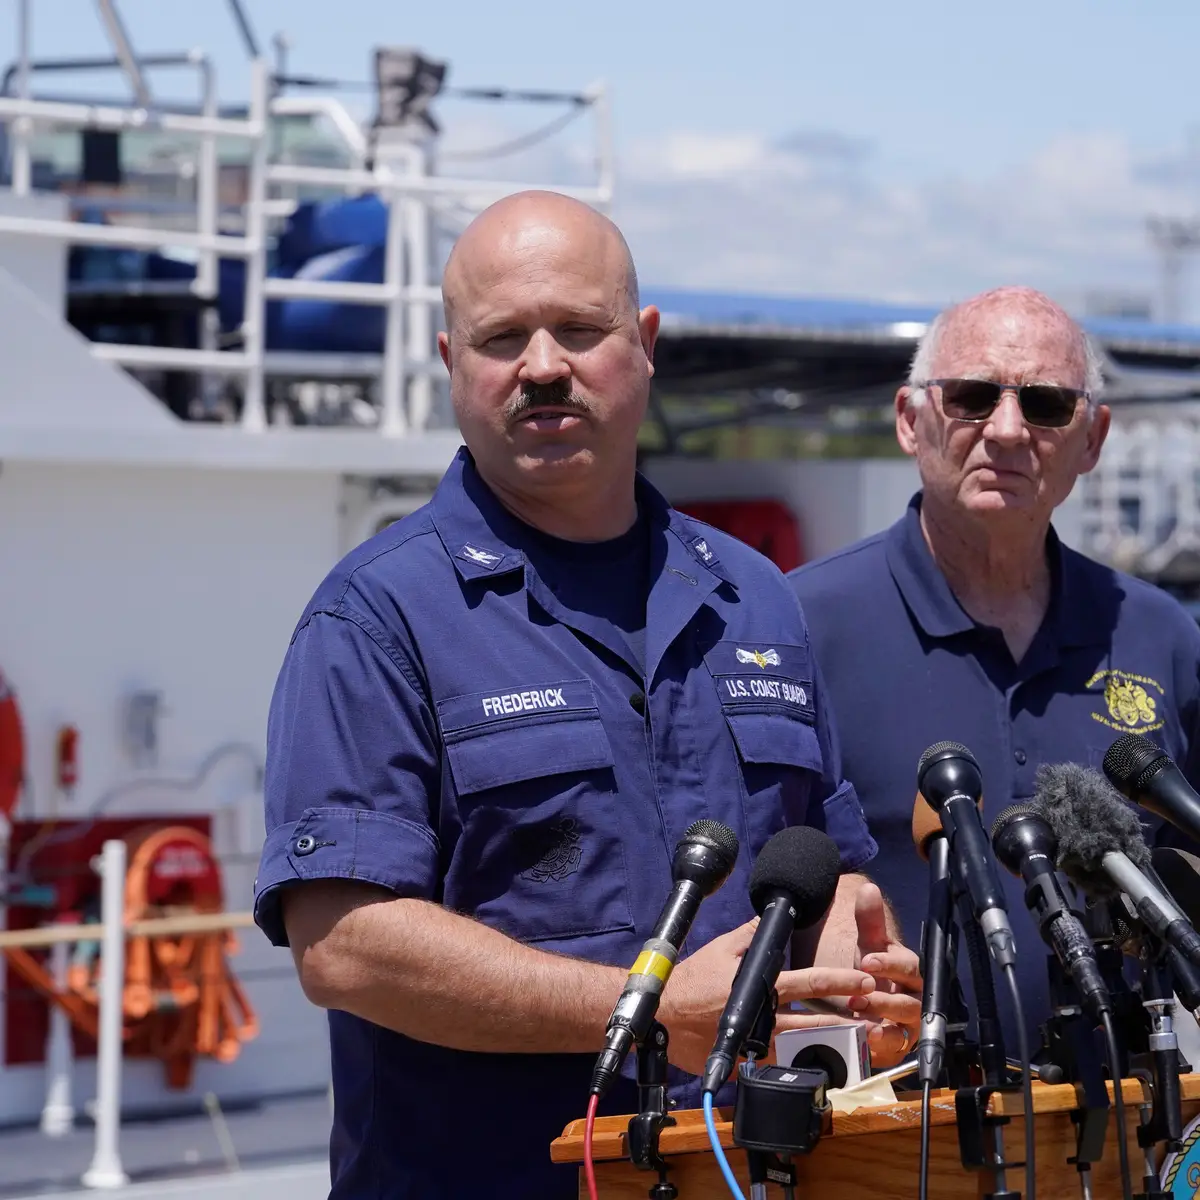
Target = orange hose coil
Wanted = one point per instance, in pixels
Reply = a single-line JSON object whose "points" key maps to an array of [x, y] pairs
{"points": [[181, 1000]]}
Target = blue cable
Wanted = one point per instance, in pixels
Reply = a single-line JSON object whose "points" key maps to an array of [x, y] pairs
{"points": [[718, 1152]]}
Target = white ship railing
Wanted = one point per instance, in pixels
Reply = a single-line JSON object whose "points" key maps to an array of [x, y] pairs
{"points": [[407, 294], [1141, 504], [106, 1170]]}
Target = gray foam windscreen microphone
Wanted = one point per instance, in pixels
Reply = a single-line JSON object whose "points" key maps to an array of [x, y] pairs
{"points": [[1091, 819]]}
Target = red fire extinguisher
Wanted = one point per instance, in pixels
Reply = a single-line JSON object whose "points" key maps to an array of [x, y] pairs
{"points": [[66, 757]]}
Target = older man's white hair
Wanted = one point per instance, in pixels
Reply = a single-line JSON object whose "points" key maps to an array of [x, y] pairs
{"points": [[922, 368]]}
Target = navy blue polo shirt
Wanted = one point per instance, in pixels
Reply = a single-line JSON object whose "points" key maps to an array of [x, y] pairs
{"points": [[907, 667], [447, 726]]}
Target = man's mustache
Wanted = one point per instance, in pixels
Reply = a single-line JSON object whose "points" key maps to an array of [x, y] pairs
{"points": [[545, 395]]}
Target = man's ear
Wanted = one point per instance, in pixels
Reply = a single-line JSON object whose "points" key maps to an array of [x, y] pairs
{"points": [[1098, 426], [444, 349], [649, 320], [908, 402]]}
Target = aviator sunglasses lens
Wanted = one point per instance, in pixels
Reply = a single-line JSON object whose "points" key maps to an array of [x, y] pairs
{"points": [[969, 399], [1045, 405], [1041, 404]]}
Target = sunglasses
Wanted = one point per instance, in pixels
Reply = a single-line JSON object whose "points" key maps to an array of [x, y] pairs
{"points": [[1044, 404]]}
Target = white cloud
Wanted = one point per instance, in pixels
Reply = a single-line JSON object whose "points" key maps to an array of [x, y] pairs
{"points": [[691, 155], [821, 213], [798, 219]]}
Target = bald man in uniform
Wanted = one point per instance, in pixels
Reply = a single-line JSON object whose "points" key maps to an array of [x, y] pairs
{"points": [[494, 722]]}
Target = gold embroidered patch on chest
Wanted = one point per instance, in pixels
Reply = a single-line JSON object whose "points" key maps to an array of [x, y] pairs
{"points": [[1128, 701], [769, 658]]}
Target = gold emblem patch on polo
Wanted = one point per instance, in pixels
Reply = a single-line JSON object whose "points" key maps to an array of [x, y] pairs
{"points": [[1130, 701]]}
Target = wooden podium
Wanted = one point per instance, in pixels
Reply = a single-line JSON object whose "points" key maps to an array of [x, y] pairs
{"points": [[874, 1153]]}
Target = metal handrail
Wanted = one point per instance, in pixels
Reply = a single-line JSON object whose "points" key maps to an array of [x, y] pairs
{"points": [[103, 116], [129, 236], [407, 293], [52, 935], [124, 50]]}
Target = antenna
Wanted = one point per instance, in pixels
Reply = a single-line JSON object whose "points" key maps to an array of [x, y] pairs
{"points": [[1173, 237]]}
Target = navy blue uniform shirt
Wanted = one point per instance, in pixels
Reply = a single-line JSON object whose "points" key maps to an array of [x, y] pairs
{"points": [[907, 667], [448, 726]]}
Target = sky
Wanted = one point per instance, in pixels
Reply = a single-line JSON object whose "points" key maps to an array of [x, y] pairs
{"points": [[908, 152]]}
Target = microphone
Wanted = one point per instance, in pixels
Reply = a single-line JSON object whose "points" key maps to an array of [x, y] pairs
{"points": [[792, 886], [703, 859], [937, 942], [1145, 774], [1101, 848], [1179, 872], [1025, 843], [1130, 936], [949, 778]]}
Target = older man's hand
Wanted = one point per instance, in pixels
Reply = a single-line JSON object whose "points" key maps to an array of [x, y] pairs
{"points": [[893, 1009]]}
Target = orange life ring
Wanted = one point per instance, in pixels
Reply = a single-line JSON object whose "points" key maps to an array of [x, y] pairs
{"points": [[12, 749]]}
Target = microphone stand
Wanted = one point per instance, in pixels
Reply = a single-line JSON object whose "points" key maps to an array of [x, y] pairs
{"points": [[964, 1066], [943, 1049], [1071, 1047], [971, 1103], [1161, 1056], [1148, 1038], [652, 1118]]}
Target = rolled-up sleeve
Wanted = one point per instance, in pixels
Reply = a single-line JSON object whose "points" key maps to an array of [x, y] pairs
{"points": [[842, 815], [352, 768]]}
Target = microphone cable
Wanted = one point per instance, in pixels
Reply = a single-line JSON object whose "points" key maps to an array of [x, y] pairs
{"points": [[1010, 973], [1110, 1036], [589, 1128], [718, 1150]]}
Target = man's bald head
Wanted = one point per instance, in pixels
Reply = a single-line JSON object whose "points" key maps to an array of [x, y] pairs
{"points": [[1003, 314], [550, 360], [536, 221]]}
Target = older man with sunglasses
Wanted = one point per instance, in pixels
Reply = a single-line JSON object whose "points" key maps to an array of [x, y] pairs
{"points": [[969, 621]]}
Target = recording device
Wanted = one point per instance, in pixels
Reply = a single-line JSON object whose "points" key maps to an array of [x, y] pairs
{"points": [[780, 1110], [703, 859], [1025, 843], [841, 1051], [1101, 849], [791, 887], [1145, 774], [937, 943], [949, 778]]}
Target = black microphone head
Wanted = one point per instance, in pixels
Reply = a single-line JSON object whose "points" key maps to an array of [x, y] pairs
{"points": [[705, 855], [1123, 932], [1019, 831], [804, 863], [1128, 761], [1180, 871], [948, 769], [1090, 820]]}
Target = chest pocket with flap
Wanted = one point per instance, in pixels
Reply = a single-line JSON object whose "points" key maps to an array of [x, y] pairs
{"points": [[539, 852]]}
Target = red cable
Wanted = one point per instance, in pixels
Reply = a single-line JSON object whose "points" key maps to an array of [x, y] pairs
{"points": [[589, 1169]]}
